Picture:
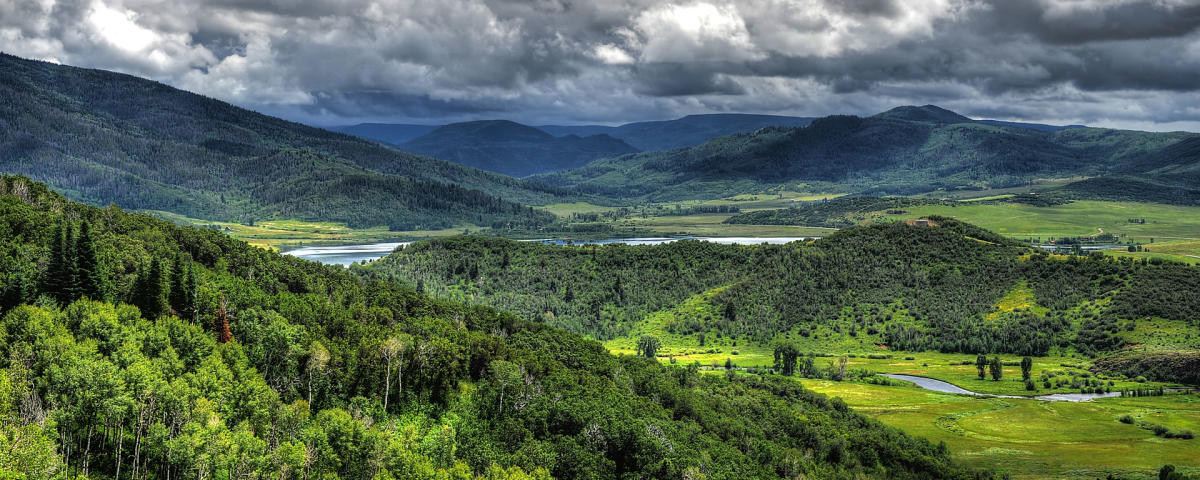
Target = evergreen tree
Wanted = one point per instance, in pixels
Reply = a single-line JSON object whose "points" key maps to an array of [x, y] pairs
{"points": [[1026, 368], [183, 288], [58, 269], [996, 369], [981, 362], [91, 279], [150, 294]]}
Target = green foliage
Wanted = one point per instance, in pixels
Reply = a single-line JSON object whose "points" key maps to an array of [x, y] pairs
{"points": [[908, 287], [298, 392], [996, 369], [648, 346]]}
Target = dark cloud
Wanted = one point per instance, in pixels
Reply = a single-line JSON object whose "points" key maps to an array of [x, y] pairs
{"points": [[1120, 62]]}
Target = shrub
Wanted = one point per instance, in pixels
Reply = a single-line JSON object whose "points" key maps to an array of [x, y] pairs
{"points": [[910, 358], [1126, 419]]}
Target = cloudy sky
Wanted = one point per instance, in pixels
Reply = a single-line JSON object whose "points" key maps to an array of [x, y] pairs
{"points": [[1121, 63]]}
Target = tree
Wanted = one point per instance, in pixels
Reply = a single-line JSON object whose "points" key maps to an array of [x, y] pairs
{"points": [[786, 354], [57, 279], [393, 352], [1026, 368], [996, 369], [150, 293], [318, 361], [221, 323], [648, 346], [91, 279], [183, 288], [981, 362]]}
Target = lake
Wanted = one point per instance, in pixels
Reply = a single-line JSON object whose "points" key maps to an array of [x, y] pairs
{"points": [[346, 254]]}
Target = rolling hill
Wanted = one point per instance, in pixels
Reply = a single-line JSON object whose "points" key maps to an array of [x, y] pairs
{"points": [[513, 149], [905, 150], [681, 132], [103, 137], [390, 133]]}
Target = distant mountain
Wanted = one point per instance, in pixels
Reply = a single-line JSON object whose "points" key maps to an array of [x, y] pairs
{"points": [[513, 149], [1035, 126], [391, 133], [682, 132], [905, 150], [104, 137]]}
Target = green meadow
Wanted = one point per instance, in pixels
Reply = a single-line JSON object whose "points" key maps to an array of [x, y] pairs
{"points": [[1031, 439]]}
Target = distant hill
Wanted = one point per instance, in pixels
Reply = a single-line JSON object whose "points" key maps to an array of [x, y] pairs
{"points": [[513, 149], [682, 132], [391, 133], [905, 150], [104, 137]]}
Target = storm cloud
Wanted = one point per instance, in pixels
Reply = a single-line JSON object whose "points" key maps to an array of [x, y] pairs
{"points": [[1122, 63]]}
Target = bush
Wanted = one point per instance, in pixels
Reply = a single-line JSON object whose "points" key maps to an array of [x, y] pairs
{"points": [[1030, 386], [1126, 419], [910, 358]]}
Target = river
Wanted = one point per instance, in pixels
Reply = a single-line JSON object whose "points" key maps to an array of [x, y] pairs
{"points": [[947, 387], [347, 254]]}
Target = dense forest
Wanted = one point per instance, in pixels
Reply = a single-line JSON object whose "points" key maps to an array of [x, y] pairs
{"points": [[134, 348], [903, 151], [909, 287], [102, 137]]}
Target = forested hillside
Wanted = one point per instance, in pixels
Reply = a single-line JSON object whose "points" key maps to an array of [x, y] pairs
{"points": [[902, 151], [103, 137], [908, 287], [134, 348], [513, 149], [681, 132]]}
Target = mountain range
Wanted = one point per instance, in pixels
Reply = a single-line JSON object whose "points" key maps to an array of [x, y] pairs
{"points": [[103, 137], [511, 148], [905, 150]]}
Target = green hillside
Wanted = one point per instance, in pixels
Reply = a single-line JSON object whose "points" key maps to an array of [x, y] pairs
{"points": [[513, 149], [908, 287], [102, 137], [903, 151], [203, 357]]}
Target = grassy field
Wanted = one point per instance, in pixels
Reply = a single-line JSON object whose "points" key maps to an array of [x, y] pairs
{"points": [[1031, 439], [1175, 230], [285, 234]]}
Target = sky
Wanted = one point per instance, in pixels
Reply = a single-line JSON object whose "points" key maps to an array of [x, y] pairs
{"points": [[1115, 63]]}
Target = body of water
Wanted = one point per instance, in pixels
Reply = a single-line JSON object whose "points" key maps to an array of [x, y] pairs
{"points": [[662, 240], [947, 387], [347, 254]]}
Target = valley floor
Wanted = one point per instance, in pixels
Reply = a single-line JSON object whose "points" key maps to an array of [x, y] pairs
{"points": [[1033, 439]]}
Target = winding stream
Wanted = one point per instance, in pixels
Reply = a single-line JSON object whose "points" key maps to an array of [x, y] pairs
{"points": [[947, 387]]}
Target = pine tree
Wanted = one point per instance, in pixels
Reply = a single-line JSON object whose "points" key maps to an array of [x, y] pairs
{"points": [[70, 289], [58, 268], [150, 293], [91, 279], [183, 288]]}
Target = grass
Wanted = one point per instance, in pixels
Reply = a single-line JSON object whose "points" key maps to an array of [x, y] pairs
{"points": [[285, 234], [1175, 230], [1031, 439]]}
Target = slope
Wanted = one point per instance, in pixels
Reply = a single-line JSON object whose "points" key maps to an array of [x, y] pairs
{"points": [[104, 137], [236, 361], [513, 149], [902, 151], [909, 287], [681, 132]]}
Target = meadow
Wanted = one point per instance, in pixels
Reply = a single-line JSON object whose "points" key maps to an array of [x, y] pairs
{"points": [[1031, 439]]}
